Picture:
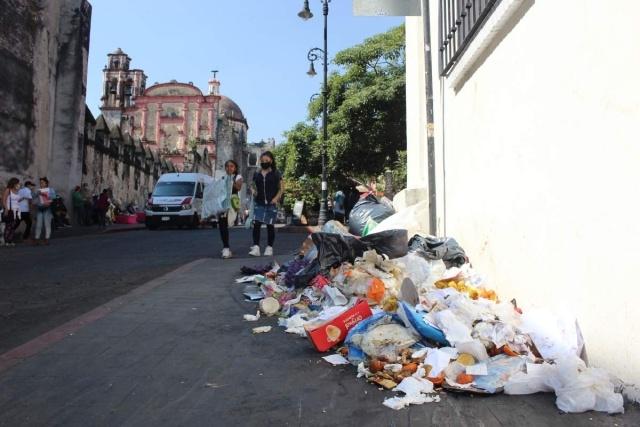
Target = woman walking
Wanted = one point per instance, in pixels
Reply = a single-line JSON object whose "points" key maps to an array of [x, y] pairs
{"points": [[267, 188], [44, 198], [233, 184], [11, 210]]}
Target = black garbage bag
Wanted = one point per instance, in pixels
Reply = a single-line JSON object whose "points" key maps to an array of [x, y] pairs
{"points": [[334, 249], [392, 243], [302, 278], [444, 248], [365, 209]]}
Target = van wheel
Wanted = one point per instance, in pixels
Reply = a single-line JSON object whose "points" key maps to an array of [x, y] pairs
{"points": [[152, 227]]}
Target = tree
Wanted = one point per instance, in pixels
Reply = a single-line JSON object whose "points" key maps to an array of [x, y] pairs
{"points": [[366, 120], [367, 109]]}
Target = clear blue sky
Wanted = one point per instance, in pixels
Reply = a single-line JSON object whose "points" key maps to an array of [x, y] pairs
{"points": [[259, 46]]}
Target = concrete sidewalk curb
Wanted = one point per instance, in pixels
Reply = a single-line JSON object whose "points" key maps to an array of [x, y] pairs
{"points": [[38, 344]]}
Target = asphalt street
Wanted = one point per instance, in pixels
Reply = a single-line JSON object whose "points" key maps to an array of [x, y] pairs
{"points": [[43, 287]]}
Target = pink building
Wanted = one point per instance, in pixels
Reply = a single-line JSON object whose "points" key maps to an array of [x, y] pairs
{"points": [[173, 119]]}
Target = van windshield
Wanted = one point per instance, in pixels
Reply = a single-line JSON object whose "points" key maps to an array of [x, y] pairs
{"points": [[170, 189]]}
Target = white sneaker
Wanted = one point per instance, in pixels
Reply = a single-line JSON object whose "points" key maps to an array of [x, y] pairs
{"points": [[268, 251], [226, 253], [255, 250]]}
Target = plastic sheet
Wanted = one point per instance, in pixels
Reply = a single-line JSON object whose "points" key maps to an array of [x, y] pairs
{"points": [[445, 248], [366, 209]]}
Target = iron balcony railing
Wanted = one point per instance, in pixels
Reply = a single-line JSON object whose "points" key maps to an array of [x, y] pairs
{"points": [[459, 22]]}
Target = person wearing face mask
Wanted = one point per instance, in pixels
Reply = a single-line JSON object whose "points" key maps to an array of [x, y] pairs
{"points": [[267, 188]]}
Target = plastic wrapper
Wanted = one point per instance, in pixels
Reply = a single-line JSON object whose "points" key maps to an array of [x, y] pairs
{"points": [[356, 335], [366, 209]]}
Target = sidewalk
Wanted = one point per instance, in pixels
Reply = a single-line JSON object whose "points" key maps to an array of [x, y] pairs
{"points": [[177, 352]]}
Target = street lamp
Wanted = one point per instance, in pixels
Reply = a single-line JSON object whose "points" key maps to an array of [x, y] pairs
{"points": [[313, 55]]}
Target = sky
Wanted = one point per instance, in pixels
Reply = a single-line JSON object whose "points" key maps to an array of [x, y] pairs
{"points": [[259, 47]]}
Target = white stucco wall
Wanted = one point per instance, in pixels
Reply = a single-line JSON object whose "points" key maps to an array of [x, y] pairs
{"points": [[538, 152]]}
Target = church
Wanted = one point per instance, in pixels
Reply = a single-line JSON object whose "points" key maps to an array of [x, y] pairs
{"points": [[174, 120]]}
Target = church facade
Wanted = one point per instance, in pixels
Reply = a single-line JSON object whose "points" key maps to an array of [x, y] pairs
{"points": [[177, 121]]}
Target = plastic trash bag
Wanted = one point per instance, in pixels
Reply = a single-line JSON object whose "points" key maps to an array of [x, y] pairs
{"points": [[365, 209], [415, 268], [585, 389], [304, 276], [334, 249], [356, 334], [414, 219], [335, 227], [214, 199], [392, 243], [444, 248], [415, 321]]}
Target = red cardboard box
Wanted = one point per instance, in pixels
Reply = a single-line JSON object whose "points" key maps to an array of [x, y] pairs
{"points": [[335, 330]]}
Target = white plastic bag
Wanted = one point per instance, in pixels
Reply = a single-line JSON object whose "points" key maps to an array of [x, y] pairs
{"points": [[414, 219], [214, 199]]}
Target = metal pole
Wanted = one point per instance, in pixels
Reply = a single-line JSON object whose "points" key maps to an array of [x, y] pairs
{"points": [[322, 217], [431, 152]]}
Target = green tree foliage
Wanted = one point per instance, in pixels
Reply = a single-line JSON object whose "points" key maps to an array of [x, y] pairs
{"points": [[366, 126], [367, 109]]}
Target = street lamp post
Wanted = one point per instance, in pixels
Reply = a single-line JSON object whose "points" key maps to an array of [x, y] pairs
{"points": [[313, 55]]}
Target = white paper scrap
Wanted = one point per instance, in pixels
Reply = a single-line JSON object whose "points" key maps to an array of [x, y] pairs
{"points": [[245, 279], [336, 359], [438, 360], [261, 329], [251, 317], [414, 390]]}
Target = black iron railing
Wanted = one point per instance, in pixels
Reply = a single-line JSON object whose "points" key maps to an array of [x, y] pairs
{"points": [[460, 20]]}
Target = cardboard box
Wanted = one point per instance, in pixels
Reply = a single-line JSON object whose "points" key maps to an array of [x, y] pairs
{"points": [[334, 331]]}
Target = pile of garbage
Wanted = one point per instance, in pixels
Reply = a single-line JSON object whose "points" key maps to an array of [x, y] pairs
{"points": [[413, 316]]}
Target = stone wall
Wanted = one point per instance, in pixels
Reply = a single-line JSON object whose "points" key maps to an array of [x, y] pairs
{"points": [[44, 47], [120, 163]]}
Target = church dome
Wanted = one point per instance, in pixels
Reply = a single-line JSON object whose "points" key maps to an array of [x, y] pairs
{"points": [[231, 109]]}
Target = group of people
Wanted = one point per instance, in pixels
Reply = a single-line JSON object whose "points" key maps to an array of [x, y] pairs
{"points": [[267, 189], [18, 204], [91, 209]]}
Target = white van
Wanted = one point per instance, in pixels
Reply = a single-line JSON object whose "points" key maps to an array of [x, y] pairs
{"points": [[176, 200]]}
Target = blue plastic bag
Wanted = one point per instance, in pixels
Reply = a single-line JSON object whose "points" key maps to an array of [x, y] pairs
{"points": [[411, 318]]}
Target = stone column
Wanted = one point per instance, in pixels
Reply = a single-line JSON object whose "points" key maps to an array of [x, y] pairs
{"points": [[143, 123], [158, 113]]}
